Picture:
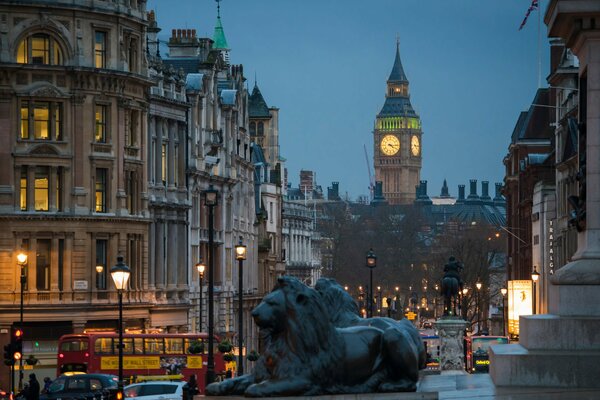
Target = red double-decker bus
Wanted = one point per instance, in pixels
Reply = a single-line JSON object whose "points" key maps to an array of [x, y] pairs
{"points": [[159, 355]]}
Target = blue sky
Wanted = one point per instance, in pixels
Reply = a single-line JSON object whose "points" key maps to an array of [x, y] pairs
{"points": [[324, 63]]}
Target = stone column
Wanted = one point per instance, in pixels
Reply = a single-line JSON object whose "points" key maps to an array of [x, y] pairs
{"points": [[452, 332]]}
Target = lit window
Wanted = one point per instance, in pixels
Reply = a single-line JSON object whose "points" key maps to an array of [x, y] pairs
{"points": [[39, 49], [101, 189], [101, 124], [100, 50], [101, 246], [23, 191], [41, 120], [41, 189]]}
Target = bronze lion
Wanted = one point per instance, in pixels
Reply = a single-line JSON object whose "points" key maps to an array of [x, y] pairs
{"points": [[305, 354]]}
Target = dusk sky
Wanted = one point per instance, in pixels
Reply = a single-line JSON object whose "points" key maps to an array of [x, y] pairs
{"points": [[324, 64]]}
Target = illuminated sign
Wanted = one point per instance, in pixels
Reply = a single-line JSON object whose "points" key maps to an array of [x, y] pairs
{"points": [[112, 362], [482, 362], [519, 303], [551, 247], [411, 315]]}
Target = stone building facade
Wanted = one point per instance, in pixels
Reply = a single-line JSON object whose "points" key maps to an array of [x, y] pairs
{"points": [[73, 187]]}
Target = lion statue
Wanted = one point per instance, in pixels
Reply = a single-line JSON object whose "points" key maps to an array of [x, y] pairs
{"points": [[305, 354], [411, 355]]}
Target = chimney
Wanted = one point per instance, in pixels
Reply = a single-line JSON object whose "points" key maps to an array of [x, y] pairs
{"points": [[485, 191], [498, 197], [461, 193], [424, 188], [473, 191]]}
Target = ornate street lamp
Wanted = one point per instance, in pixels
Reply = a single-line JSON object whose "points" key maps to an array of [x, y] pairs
{"points": [[240, 255], [22, 261], [379, 301], [371, 263], [120, 275], [534, 277], [211, 199], [504, 291], [200, 267], [478, 286]]}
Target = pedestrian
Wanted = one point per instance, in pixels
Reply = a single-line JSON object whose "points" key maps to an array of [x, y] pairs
{"points": [[33, 391], [193, 385], [47, 382]]}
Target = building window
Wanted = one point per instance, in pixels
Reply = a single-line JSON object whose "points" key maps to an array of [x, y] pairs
{"points": [[23, 190], [163, 158], [101, 257], [42, 263], [252, 128], [101, 112], [261, 129], [176, 166], [59, 189], [39, 49], [41, 189], [42, 119], [131, 192], [101, 175], [100, 49], [131, 133]]}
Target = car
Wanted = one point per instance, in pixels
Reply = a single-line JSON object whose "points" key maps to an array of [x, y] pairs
{"points": [[155, 390], [82, 386], [4, 395]]}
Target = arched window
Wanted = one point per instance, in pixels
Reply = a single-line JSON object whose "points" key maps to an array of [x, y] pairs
{"points": [[39, 48], [252, 128], [261, 129]]}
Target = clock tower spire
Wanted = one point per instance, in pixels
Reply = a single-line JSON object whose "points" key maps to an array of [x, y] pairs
{"points": [[397, 140]]}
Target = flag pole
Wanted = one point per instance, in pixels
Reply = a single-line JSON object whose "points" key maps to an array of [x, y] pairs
{"points": [[539, 44]]}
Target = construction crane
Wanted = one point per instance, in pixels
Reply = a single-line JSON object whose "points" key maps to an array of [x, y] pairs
{"points": [[371, 179]]}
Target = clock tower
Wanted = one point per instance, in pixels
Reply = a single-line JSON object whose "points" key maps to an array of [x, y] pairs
{"points": [[397, 140]]}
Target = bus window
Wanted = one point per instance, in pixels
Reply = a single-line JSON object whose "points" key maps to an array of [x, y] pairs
{"points": [[127, 346], [74, 345], [103, 345], [173, 345], [154, 346], [138, 346]]}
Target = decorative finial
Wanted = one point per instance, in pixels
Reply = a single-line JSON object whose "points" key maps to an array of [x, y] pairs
{"points": [[218, 8], [255, 81], [397, 40]]}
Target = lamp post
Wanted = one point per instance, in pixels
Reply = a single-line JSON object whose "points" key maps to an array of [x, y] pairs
{"points": [[478, 286], [120, 275], [371, 263], [503, 291], [200, 267], [534, 277], [211, 197], [240, 255], [466, 310], [22, 261], [379, 301]]}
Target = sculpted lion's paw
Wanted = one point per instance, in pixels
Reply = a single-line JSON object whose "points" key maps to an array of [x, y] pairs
{"points": [[254, 391]]}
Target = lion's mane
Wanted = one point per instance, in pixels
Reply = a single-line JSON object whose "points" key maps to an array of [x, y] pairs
{"points": [[308, 345], [343, 310]]}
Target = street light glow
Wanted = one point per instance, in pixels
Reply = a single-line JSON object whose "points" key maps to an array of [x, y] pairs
{"points": [[22, 258]]}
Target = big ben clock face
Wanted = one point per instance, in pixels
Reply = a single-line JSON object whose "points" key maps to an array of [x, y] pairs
{"points": [[390, 145], [415, 146]]}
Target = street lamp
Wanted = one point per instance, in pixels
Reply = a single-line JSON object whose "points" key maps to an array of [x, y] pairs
{"points": [[211, 199], [120, 275], [478, 286], [371, 263], [534, 277], [240, 255], [200, 267], [22, 261], [379, 301], [503, 291]]}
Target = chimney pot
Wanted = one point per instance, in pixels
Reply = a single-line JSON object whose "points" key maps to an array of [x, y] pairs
{"points": [[173, 33]]}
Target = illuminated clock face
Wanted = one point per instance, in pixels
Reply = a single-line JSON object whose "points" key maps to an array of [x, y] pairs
{"points": [[390, 145], [415, 146]]}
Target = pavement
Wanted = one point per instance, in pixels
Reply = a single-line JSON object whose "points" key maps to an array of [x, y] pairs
{"points": [[456, 385]]}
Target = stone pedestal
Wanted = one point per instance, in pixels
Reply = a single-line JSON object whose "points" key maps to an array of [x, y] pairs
{"points": [[451, 331]]}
